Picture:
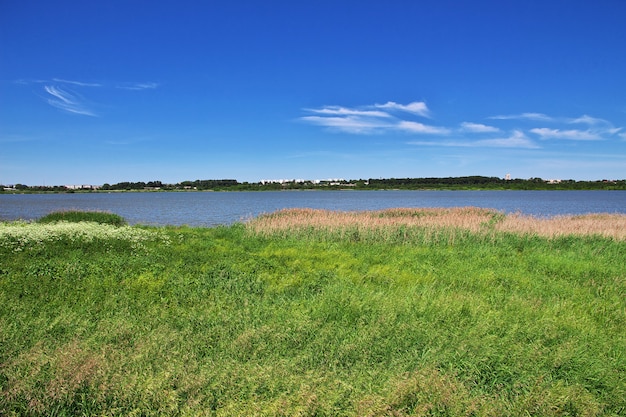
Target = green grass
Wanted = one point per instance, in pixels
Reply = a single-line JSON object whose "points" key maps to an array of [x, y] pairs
{"points": [[226, 322], [76, 216]]}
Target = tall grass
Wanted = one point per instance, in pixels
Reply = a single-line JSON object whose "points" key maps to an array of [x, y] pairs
{"points": [[392, 320], [389, 222]]}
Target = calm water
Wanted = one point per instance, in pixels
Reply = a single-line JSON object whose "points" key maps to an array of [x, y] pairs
{"points": [[213, 208]]}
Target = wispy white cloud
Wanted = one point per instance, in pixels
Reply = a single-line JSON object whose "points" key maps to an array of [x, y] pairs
{"points": [[344, 111], [138, 86], [67, 101], [597, 128], [478, 128], [417, 107], [585, 119], [540, 117], [30, 81], [349, 123], [416, 127], [516, 140], [600, 127], [523, 116], [571, 134], [371, 119], [78, 83], [63, 93], [443, 143]]}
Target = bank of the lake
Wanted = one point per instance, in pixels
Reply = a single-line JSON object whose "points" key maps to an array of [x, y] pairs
{"points": [[396, 313]]}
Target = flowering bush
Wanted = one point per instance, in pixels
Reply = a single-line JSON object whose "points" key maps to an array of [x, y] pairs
{"points": [[18, 236]]}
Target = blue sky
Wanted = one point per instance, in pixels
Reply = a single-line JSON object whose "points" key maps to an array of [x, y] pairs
{"points": [[95, 92]]}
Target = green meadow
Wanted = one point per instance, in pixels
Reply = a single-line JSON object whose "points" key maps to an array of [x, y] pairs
{"points": [[323, 316]]}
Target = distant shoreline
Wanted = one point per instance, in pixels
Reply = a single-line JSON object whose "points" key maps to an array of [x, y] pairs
{"points": [[9, 192], [449, 183]]}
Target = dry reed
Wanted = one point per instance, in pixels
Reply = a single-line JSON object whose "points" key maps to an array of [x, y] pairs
{"points": [[472, 219], [606, 225]]}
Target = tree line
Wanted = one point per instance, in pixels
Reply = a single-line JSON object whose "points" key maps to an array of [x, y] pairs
{"points": [[494, 183], [427, 183]]}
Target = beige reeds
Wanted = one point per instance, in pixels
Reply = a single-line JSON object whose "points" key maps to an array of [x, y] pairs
{"points": [[606, 225], [471, 219], [288, 219]]}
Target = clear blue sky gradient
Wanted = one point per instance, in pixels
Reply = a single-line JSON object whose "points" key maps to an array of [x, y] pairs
{"points": [[95, 92]]}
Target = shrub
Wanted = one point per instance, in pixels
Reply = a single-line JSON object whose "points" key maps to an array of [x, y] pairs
{"points": [[75, 216]]}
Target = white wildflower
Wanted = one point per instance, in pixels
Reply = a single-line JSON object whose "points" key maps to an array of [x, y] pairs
{"points": [[21, 235]]}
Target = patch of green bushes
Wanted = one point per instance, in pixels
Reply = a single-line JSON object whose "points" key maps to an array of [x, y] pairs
{"points": [[75, 216]]}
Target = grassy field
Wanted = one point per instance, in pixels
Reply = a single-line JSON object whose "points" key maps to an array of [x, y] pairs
{"points": [[425, 312]]}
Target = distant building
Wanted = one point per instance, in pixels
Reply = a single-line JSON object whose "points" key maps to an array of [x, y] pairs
{"points": [[82, 187]]}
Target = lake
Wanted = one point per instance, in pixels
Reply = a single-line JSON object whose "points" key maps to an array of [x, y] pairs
{"points": [[216, 208]]}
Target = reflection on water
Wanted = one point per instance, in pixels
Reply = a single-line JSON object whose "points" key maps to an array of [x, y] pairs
{"points": [[214, 208]]}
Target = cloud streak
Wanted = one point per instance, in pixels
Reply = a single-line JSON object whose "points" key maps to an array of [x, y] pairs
{"points": [[63, 93], [516, 140], [138, 86], [478, 128], [374, 119], [349, 124], [597, 129], [78, 83], [589, 120], [416, 127], [524, 116], [344, 111], [571, 134], [417, 107], [67, 101]]}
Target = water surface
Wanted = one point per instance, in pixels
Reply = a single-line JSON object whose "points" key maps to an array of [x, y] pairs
{"points": [[215, 208]]}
